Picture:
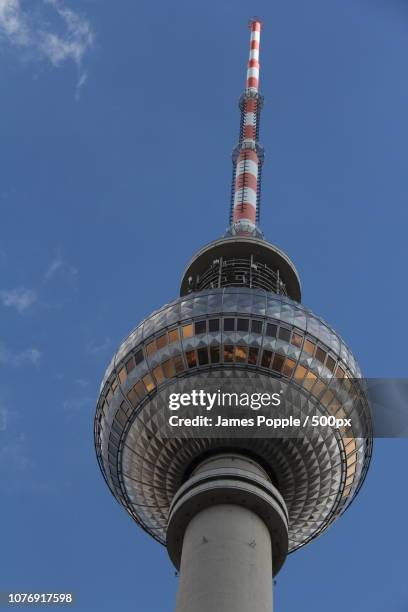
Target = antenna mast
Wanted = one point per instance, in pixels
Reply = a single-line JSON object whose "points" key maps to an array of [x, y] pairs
{"points": [[248, 156]]}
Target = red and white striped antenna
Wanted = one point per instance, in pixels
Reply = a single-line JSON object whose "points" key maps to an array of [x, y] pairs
{"points": [[248, 155]]}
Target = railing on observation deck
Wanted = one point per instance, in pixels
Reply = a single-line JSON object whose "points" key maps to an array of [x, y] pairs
{"points": [[233, 272]]}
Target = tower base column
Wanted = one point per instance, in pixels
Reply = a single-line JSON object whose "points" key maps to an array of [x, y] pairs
{"points": [[228, 536], [226, 563]]}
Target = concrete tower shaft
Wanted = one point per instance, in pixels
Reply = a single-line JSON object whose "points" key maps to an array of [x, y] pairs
{"points": [[227, 523]]}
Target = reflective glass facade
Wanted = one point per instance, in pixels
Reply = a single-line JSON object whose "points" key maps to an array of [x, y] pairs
{"points": [[240, 331]]}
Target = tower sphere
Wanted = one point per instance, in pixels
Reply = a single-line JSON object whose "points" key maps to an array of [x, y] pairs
{"points": [[316, 477]]}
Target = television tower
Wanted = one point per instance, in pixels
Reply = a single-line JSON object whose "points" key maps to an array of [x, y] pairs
{"points": [[230, 509]]}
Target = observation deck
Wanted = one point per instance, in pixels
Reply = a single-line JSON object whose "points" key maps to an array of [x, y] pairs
{"points": [[242, 261]]}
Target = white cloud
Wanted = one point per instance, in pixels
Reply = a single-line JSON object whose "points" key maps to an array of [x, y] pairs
{"points": [[78, 39], [81, 382], [23, 30], [8, 416], [19, 297], [14, 455], [59, 266], [95, 348], [77, 404], [27, 357], [12, 22]]}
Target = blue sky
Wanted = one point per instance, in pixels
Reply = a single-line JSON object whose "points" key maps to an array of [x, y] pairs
{"points": [[117, 122]]}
